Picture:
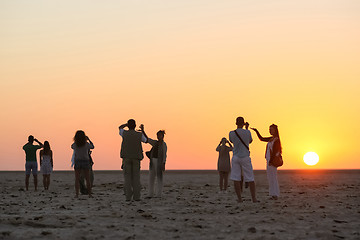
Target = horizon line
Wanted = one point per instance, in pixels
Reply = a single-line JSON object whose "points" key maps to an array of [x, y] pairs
{"points": [[292, 169]]}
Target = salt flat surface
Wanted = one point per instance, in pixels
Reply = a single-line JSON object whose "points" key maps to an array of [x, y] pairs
{"points": [[319, 204]]}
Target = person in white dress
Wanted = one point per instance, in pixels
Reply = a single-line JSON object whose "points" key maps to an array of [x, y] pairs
{"points": [[273, 148], [46, 164]]}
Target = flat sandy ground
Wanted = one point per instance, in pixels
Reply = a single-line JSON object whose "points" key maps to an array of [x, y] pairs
{"points": [[313, 205]]}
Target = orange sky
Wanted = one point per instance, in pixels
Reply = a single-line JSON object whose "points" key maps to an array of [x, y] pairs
{"points": [[189, 67]]}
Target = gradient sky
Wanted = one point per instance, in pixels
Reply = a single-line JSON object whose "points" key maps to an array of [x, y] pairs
{"points": [[189, 67]]}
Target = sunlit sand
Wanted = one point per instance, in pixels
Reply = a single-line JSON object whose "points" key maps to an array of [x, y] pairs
{"points": [[313, 205]]}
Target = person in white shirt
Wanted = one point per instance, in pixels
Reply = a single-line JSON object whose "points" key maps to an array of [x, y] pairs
{"points": [[241, 161]]}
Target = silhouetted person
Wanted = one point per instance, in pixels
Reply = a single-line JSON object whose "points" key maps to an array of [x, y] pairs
{"points": [[83, 188], [241, 161], [46, 164], [82, 144], [132, 154], [273, 148], [223, 165], [31, 162], [158, 156]]}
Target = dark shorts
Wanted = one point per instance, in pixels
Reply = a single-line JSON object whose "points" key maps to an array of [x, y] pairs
{"points": [[82, 164], [31, 167]]}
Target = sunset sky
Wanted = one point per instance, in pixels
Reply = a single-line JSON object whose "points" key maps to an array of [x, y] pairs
{"points": [[189, 67]]}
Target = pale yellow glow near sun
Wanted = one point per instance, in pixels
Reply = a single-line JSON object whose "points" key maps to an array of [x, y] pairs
{"points": [[311, 158]]}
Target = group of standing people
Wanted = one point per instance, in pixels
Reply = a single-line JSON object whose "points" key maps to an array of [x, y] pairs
{"points": [[81, 157], [241, 166], [31, 166], [132, 153], [241, 169]]}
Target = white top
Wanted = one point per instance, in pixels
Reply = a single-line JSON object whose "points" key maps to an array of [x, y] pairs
{"points": [[83, 151], [239, 149], [269, 148]]}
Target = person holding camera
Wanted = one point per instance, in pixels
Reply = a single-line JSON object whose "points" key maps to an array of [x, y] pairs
{"points": [[241, 161], [31, 161], [81, 146], [273, 148], [223, 165], [131, 153]]}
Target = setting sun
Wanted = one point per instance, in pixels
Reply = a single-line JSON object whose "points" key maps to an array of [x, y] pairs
{"points": [[136, 55], [311, 158]]}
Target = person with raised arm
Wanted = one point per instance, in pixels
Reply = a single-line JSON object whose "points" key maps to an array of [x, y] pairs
{"points": [[158, 155], [131, 153], [31, 161], [273, 148], [241, 161], [223, 165], [81, 146]]}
